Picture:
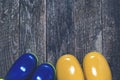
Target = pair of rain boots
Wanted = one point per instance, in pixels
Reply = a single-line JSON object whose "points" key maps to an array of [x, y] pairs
{"points": [[95, 67], [25, 68]]}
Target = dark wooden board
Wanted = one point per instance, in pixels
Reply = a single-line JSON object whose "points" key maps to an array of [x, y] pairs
{"points": [[51, 28], [60, 29], [111, 32], [33, 28], [9, 31], [87, 21]]}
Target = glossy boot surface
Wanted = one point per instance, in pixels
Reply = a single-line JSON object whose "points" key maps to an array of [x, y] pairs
{"points": [[22, 68]]}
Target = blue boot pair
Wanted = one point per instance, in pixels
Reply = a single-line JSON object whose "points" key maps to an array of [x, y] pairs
{"points": [[25, 68]]}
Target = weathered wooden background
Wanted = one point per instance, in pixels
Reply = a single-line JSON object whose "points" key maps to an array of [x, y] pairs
{"points": [[51, 28]]}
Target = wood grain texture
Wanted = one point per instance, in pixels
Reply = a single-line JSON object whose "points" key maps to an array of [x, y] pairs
{"points": [[33, 28], [52, 28], [79, 24], [93, 28], [87, 22], [9, 37], [60, 29], [111, 38]]}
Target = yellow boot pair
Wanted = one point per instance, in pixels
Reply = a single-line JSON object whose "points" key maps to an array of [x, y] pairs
{"points": [[95, 67]]}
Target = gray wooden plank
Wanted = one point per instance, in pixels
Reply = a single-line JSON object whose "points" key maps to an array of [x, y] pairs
{"points": [[60, 29], [33, 28], [88, 29], [111, 38], [9, 34], [79, 24], [93, 28]]}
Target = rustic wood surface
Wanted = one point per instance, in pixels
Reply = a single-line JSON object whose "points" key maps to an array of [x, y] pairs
{"points": [[51, 28]]}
